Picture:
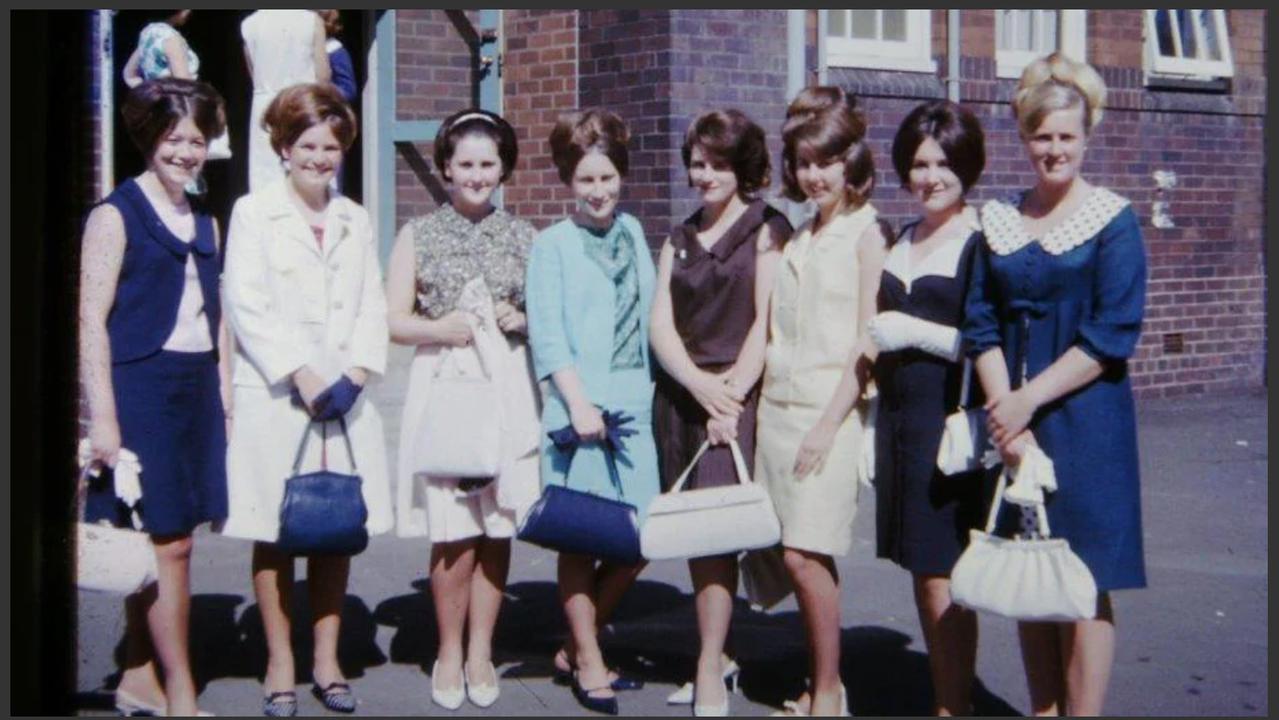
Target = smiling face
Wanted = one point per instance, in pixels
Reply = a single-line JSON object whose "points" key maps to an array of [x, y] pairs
{"points": [[597, 185], [933, 182], [475, 171], [313, 159], [1056, 147], [822, 180], [180, 153], [713, 178]]}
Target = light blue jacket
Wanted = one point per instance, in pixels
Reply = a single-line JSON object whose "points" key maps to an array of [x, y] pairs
{"points": [[570, 307]]}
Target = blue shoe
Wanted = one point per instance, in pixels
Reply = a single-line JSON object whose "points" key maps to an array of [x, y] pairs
{"points": [[280, 704], [607, 706], [336, 697]]}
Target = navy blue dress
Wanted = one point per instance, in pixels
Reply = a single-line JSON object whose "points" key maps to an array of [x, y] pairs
{"points": [[1081, 285], [922, 517]]}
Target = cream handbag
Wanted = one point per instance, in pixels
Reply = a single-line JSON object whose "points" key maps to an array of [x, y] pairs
{"points": [[964, 440], [112, 559], [461, 426], [1026, 580], [711, 521]]}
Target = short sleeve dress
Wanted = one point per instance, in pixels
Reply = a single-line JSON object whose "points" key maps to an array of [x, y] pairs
{"points": [[1080, 285], [922, 517], [713, 301], [153, 62]]}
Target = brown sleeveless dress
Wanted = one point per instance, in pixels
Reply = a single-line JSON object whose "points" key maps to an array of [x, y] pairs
{"points": [[713, 301]]}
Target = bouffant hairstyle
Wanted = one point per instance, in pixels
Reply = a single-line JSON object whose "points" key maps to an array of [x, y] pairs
{"points": [[298, 108], [1056, 82], [730, 137], [824, 124], [954, 128], [474, 121], [332, 20], [576, 134], [152, 109]]}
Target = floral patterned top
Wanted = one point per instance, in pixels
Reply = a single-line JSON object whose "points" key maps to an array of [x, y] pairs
{"points": [[450, 250], [152, 61]]}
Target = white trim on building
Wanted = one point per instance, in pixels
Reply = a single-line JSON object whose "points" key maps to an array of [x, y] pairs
{"points": [[880, 39], [1022, 36]]}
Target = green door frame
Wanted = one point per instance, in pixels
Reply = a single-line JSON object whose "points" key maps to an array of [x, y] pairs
{"points": [[392, 132]]}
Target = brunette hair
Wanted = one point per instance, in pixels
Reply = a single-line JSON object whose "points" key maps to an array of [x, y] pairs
{"points": [[576, 134], [332, 20], [298, 108], [474, 121], [152, 109], [955, 129], [823, 123], [1056, 82], [729, 136]]}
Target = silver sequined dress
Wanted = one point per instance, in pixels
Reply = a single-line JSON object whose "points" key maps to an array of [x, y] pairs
{"points": [[450, 250]]}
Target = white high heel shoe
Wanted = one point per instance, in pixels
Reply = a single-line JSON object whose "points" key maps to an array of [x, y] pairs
{"points": [[450, 699], [481, 695], [791, 708], [684, 695]]}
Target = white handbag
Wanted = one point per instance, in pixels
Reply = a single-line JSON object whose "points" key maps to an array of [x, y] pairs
{"points": [[964, 440], [1026, 580], [112, 559], [710, 521], [220, 147]]}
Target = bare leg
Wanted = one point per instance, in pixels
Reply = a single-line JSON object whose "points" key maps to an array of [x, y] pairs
{"points": [[611, 583], [1088, 654], [452, 565], [138, 677], [715, 583], [326, 584], [1042, 656], [273, 586], [817, 590], [169, 618], [950, 633], [577, 593], [487, 585]]}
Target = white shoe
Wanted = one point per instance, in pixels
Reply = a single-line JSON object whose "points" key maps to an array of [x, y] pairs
{"points": [[718, 710], [128, 705], [684, 695], [481, 695], [791, 708], [450, 699]]}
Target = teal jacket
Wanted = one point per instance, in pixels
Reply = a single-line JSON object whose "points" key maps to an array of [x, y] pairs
{"points": [[570, 306]]}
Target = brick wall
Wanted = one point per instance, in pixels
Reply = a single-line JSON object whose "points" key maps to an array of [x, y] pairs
{"points": [[539, 82]]}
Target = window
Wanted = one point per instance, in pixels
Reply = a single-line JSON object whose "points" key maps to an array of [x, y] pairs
{"points": [[1022, 36], [1188, 42], [880, 39]]}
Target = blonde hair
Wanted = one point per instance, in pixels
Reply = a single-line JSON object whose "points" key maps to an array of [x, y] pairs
{"points": [[1056, 82]]}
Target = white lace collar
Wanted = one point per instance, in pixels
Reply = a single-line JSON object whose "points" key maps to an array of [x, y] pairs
{"points": [[1006, 233], [942, 261]]}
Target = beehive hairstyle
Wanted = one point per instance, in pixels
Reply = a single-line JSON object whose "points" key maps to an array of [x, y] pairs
{"points": [[151, 110], [576, 134], [823, 124], [730, 137], [1056, 82], [298, 108]]}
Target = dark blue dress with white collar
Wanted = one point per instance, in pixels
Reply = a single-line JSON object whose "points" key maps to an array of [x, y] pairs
{"points": [[922, 517], [1081, 285]]}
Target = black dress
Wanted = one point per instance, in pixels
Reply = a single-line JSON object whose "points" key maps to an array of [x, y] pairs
{"points": [[922, 517]]}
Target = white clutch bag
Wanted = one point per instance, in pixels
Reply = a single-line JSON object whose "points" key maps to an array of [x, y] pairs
{"points": [[711, 521], [461, 426], [112, 559], [964, 440], [1026, 580]]}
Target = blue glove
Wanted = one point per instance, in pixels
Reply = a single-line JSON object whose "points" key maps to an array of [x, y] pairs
{"points": [[336, 400], [566, 438]]}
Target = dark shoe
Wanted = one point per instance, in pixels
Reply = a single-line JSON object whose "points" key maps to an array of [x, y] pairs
{"points": [[280, 704], [560, 676], [336, 697], [607, 706]]}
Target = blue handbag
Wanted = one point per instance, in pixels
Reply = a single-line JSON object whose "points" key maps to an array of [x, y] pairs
{"points": [[323, 512], [581, 523]]}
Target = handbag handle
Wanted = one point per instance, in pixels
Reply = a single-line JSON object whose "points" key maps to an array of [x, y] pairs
{"points": [[324, 430], [966, 384], [738, 462], [613, 475], [474, 347], [1040, 513]]}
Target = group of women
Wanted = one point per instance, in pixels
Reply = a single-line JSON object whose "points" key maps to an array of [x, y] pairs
{"points": [[745, 330]]}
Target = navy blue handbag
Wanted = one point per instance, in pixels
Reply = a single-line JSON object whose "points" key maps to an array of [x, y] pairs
{"points": [[576, 522], [323, 512]]}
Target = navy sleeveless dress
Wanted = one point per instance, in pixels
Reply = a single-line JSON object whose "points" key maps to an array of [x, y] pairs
{"points": [[168, 403]]}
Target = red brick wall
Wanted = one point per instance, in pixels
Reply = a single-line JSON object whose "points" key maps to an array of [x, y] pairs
{"points": [[539, 83]]}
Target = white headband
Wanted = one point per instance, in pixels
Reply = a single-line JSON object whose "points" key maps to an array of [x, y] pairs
{"points": [[472, 116]]}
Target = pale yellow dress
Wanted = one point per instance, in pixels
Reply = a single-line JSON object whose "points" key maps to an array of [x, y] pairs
{"points": [[812, 329]]}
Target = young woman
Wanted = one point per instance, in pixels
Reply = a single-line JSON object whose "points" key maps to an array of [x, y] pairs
{"points": [[923, 517], [162, 51], [808, 439], [470, 522], [149, 335], [304, 297], [709, 328], [589, 293], [1053, 314]]}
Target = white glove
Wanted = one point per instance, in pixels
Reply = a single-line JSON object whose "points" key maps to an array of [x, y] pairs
{"points": [[1032, 476], [895, 330], [866, 461], [128, 469]]}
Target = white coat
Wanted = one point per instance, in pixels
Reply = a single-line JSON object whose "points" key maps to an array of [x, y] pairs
{"points": [[291, 304]]}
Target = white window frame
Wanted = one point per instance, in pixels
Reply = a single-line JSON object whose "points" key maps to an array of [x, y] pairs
{"points": [[914, 54], [1072, 28], [1158, 64]]}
